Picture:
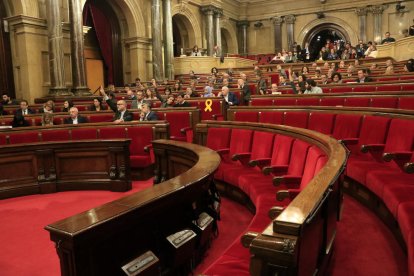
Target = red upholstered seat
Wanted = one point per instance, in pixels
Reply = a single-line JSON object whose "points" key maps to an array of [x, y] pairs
{"points": [[22, 138], [296, 119], [112, 132], [397, 188], [408, 77], [206, 114], [178, 121], [389, 87], [364, 88], [140, 138], [218, 138], [283, 102], [407, 87], [82, 108], [84, 133], [261, 102], [406, 103], [384, 102], [346, 126], [332, 101], [388, 79], [308, 101], [321, 122], [99, 118], [271, 117], [358, 102], [56, 135], [246, 116], [3, 140], [406, 219], [341, 89]]}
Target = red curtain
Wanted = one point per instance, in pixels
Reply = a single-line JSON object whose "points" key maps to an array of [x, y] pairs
{"points": [[103, 31]]}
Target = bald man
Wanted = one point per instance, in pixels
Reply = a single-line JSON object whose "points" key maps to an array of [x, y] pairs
{"points": [[120, 109], [75, 118]]}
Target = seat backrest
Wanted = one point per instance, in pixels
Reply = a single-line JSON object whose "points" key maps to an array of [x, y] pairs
{"points": [[84, 133], [113, 132], [282, 147], [218, 138], [3, 140], [384, 102], [261, 102], [140, 137], [373, 130], [357, 102], [240, 141], [346, 126], [298, 157], [314, 153], [262, 145], [296, 119], [246, 116], [55, 135], [283, 102], [271, 117], [400, 136], [24, 137], [311, 101], [326, 101], [321, 122], [178, 121], [98, 118], [406, 103], [389, 87]]}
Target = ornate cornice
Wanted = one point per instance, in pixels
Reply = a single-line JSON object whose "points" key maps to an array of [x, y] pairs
{"points": [[243, 23], [209, 10], [378, 9], [361, 11]]}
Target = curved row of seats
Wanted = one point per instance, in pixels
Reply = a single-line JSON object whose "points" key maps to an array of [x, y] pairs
{"points": [[381, 147]]}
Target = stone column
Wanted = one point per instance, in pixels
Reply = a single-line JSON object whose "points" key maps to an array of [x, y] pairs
{"points": [[56, 57], [290, 21], [76, 46], [218, 13], [209, 11], [277, 23], [243, 25], [157, 67], [377, 11], [168, 40], [362, 23]]}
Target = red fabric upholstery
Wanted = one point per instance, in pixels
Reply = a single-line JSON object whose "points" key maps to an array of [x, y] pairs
{"points": [[3, 140], [390, 87], [407, 87], [140, 137], [406, 103], [215, 143], [332, 101], [283, 102], [262, 102], [112, 132], [364, 88], [296, 119], [307, 102], [246, 116], [178, 121], [346, 126], [358, 102], [83, 133], [321, 122], [98, 118], [406, 219], [215, 109], [297, 158], [341, 89], [22, 138], [400, 189], [388, 102], [271, 117], [55, 135]]}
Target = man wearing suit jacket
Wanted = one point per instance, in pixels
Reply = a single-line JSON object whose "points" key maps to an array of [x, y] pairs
{"points": [[75, 118], [245, 88], [148, 114], [18, 119], [363, 76], [228, 96], [120, 109]]}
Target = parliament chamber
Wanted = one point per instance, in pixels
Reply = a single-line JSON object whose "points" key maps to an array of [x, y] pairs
{"points": [[148, 137]]}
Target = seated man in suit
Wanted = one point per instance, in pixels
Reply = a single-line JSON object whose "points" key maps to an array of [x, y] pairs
{"points": [[148, 114], [75, 118], [18, 119], [363, 76], [120, 109], [245, 88], [228, 96]]}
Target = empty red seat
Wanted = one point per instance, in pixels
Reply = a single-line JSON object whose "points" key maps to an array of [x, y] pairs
{"points": [[218, 138], [56, 135], [114, 132], [407, 87], [24, 137], [296, 119], [346, 126], [246, 116], [364, 88], [3, 140], [389, 87], [284, 102], [321, 122], [384, 102], [357, 101], [261, 102], [341, 89], [99, 118], [311, 101], [140, 138], [271, 117], [332, 101], [84, 133], [179, 123], [406, 103]]}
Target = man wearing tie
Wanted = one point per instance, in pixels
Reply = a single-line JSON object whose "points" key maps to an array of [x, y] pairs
{"points": [[120, 109], [18, 119], [148, 114]]}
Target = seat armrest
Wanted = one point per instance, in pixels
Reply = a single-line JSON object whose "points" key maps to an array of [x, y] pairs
{"points": [[283, 194], [403, 156], [259, 162], [409, 167], [274, 169], [148, 148], [291, 181], [349, 141], [222, 151], [185, 129], [218, 117], [372, 148], [275, 211], [241, 156], [247, 238]]}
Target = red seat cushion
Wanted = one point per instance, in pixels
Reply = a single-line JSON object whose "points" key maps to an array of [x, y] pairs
{"points": [[55, 135], [406, 219], [356, 101], [22, 138], [84, 133], [178, 121], [406, 103], [218, 138], [346, 126], [283, 102], [246, 116], [261, 102], [332, 101], [308, 101], [99, 118], [399, 190], [321, 122], [112, 132], [386, 102], [3, 140], [271, 117], [296, 119], [140, 138]]}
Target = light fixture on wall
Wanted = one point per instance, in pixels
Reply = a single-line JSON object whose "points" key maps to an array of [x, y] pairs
{"points": [[86, 29], [258, 24], [399, 7], [320, 15], [323, 1]]}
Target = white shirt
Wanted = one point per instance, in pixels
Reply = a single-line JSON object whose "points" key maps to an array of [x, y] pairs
{"points": [[75, 121]]}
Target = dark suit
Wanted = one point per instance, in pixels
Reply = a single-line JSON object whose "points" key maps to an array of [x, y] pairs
{"points": [[184, 104], [19, 112], [81, 120], [366, 79], [128, 116], [18, 119], [231, 99], [246, 93], [151, 116]]}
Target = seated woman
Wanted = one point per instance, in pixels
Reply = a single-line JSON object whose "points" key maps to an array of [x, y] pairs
{"points": [[196, 52], [67, 105], [208, 92], [47, 119], [148, 95], [336, 78], [97, 105], [48, 107]]}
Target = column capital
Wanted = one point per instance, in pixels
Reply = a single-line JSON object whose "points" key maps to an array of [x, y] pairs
{"points": [[243, 23], [378, 9], [208, 10], [218, 12], [361, 11], [290, 19], [277, 20]]}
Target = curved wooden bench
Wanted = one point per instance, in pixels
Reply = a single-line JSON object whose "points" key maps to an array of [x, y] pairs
{"points": [[100, 241]]}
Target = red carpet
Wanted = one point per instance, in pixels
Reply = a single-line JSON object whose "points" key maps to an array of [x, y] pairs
{"points": [[364, 246]]}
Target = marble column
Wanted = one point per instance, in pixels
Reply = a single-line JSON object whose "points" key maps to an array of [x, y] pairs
{"points": [[209, 12], [277, 23], [243, 25], [290, 21], [157, 67], [218, 13], [56, 57], [77, 47], [362, 23], [168, 40], [377, 12]]}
